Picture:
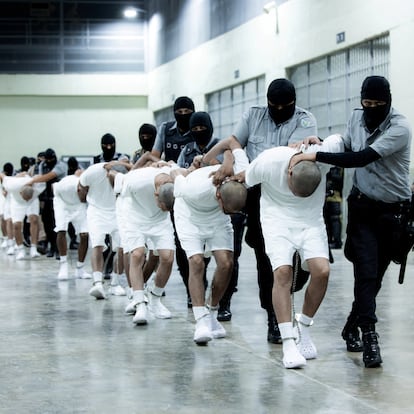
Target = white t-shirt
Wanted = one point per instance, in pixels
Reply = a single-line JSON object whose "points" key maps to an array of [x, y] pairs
{"points": [[100, 194], [67, 190], [13, 185], [278, 205], [199, 192], [138, 189]]}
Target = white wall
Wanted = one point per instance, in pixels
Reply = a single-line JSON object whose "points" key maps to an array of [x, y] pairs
{"points": [[77, 110], [250, 49], [70, 113]]}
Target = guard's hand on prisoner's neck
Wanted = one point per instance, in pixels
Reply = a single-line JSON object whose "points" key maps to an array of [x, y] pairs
{"points": [[300, 156]]}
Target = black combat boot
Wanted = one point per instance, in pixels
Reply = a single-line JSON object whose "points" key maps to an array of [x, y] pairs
{"points": [[224, 313], [350, 334], [371, 352], [352, 339], [273, 333]]}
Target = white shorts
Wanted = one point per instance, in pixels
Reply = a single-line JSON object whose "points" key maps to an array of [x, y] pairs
{"points": [[101, 223], [281, 243], [65, 214], [203, 239], [18, 210], [158, 236]]}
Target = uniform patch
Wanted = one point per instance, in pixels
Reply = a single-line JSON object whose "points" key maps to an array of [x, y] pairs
{"points": [[306, 123]]}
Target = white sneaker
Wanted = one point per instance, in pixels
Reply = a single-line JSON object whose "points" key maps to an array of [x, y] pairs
{"points": [[21, 254], [98, 291], [131, 308], [81, 274], [157, 308], [63, 271], [140, 317], [292, 358], [10, 251], [307, 348], [4, 244], [217, 329], [202, 333], [117, 290], [33, 252]]}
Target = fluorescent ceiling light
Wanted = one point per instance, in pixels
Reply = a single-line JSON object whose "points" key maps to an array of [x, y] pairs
{"points": [[130, 13]]}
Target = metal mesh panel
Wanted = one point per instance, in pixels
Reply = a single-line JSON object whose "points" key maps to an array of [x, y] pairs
{"points": [[226, 106], [164, 115], [330, 86]]}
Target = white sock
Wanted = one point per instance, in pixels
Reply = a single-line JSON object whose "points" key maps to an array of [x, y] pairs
{"points": [[97, 277], [286, 330], [79, 265], [63, 259], [114, 279], [157, 291], [213, 308], [304, 324], [213, 311], [305, 320], [199, 312], [138, 296]]}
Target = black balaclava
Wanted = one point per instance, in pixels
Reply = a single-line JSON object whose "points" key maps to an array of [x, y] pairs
{"points": [[73, 165], [376, 88], [50, 158], [183, 120], [24, 163], [108, 153], [147, 143], [202, 138], [40, 157], [8, 169], [281, 92]]}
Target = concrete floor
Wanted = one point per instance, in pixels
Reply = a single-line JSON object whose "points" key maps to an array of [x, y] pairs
{"points": [[62, 351]]}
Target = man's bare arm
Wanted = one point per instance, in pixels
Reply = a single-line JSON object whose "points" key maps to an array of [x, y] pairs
{"points": [[144, 159], [229, 143], [43, 178], [82, 192]]}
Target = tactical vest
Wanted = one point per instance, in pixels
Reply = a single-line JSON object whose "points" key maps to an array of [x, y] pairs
{"points": [[174, 142], [192, 150], [99, 158]]}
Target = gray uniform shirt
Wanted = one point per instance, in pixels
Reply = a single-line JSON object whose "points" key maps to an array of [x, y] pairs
{"points": [[386, 179], [60, 169], [256, 130]]}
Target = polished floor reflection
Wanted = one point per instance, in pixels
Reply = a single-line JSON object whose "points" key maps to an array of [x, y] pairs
{"points": [[62, 351]]}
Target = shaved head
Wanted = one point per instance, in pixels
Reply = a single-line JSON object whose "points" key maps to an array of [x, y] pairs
{"points": [[304, 178], [166, 195], [27, 192], [233, 195]]}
